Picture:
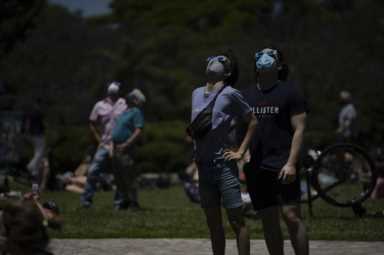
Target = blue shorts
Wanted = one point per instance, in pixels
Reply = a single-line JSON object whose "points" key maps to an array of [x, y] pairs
{"points": [[219, 185]]}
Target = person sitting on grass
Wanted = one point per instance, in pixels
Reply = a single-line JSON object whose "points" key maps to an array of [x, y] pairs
{"points": [[23, 225], [76, 181]]}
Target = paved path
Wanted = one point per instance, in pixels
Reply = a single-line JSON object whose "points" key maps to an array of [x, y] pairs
{"points": [[200, 247]]}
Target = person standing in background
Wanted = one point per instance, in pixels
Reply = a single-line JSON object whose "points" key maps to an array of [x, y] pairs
{"points": [[347, 129], [125, 134], [102, 121], [34, 128]]}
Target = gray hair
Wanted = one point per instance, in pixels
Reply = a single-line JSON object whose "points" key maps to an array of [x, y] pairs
{"points": [[136, 94]]}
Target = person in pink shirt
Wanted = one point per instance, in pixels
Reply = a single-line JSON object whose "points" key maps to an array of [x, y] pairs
{"points": [[102, 120]]}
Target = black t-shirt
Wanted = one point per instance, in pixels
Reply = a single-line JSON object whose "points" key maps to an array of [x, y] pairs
{"points": [[34, 120], [273, 108]]}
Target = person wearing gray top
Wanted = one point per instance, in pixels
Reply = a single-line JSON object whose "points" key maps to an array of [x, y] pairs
{"points": [[347, 118], [216, 153]]}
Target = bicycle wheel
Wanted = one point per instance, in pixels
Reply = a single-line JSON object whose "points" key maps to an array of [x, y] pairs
{"points": [[344, 175]]}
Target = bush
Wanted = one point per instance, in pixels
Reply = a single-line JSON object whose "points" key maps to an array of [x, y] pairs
{"points": [[164, 148], [68, 146]]}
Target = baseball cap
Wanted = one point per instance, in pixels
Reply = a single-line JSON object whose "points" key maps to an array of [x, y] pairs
{"points": [[113, 87]]}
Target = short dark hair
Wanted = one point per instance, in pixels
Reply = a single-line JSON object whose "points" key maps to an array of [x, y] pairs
{"points": [[234, 77], [283, 69], [25, 232]]}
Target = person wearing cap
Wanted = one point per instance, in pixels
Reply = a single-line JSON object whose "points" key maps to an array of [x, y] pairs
{"points": [[216, 152], [272, 175], [127, 131], [102, 120], [347, 130]]}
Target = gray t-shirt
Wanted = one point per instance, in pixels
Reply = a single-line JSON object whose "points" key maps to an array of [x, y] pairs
{"points": [[229, 106], [347, 120]]}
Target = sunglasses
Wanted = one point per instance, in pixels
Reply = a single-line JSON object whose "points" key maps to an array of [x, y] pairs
{"points": [[220, 58]]}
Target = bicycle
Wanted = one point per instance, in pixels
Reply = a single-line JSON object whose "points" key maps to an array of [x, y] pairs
{"points": [[343, 175]]}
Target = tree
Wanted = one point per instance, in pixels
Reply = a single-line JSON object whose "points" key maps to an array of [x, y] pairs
{"points": [[65, 61], [168, 41], [16, 18]]}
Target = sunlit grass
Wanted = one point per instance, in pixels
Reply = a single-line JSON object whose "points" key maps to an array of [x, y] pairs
{"points": [[169, 214]]}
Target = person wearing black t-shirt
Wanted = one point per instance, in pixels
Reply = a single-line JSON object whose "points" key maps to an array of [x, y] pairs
{"points": [[272, 177], [34, 128]]}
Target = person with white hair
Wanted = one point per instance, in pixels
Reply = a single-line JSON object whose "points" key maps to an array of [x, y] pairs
{"points": [[125, 134], [102, 121]]}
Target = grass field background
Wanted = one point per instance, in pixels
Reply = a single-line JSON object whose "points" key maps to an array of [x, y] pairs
{"points": [[169, 214]]}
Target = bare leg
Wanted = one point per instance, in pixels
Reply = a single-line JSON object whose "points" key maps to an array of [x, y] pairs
{"points": [[74, 188], [215, 225], [78, 180], [45, 172], [296, 228], [272, 231], [236, 219]]}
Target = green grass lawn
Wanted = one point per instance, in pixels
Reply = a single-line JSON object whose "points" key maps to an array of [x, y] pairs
{"points": [[169, 214]]}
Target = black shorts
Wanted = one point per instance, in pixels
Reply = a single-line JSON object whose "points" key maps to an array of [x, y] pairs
{"points": [[266, 190]]}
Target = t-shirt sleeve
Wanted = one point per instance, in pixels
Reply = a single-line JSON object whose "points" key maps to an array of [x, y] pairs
{"points": [[241, 107], [193, 94], [193, 102], [350, 113], [138, 120], [94, 113], [297, 102]]}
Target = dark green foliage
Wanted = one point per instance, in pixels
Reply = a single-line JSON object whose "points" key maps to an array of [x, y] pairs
{"points": [[16, 18], [68, 146], [330, 47], [164, 148], [66, 63], [161, 48]]}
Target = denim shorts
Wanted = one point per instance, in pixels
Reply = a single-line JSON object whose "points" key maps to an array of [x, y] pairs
{"points": [[219, 184]]}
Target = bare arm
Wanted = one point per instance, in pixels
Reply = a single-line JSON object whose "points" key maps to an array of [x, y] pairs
{"points": [[288, 172], [298, 124], [95, 131], [248, 136], [231, 155]]}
